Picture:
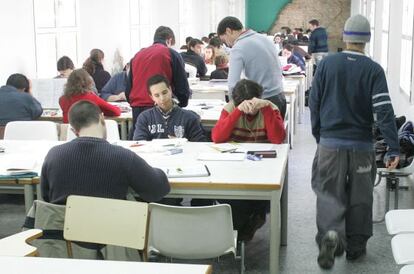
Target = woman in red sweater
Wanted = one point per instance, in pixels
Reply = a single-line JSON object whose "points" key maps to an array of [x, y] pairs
{"points": [[249, 119], [78, 87]]}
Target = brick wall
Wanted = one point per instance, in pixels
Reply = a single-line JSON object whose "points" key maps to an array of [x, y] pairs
{"points": [[331, 14]]}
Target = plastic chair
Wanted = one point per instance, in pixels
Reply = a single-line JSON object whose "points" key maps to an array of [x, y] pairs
{"points": [[112, 131], [407, 269], [191, 70], [400, 221], [105, 221], [17, 244], [31, 130], [192, 232], [402, 246], [393, 181]]}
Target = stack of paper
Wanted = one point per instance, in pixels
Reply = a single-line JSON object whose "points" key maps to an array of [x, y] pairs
{"points": [[197, 170]]}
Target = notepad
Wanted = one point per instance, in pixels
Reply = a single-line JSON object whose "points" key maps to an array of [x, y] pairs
{"points": [[197, 170], [207, 156], [21, 166]]}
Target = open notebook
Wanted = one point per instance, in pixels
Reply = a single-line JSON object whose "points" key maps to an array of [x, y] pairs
{"points": [[197, 170]]}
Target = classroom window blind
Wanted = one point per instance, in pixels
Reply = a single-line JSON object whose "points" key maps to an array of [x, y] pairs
{"points": [[384, 34], [372, 25]]}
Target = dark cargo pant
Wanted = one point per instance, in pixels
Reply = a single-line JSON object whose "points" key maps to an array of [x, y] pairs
{"points": [[343, 181]]}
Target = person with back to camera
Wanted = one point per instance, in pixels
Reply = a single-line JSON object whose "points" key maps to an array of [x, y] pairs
{"points": [[94, 66], [349, 91], [247, 118], [17, 102], [114, 90], [78, 88], [222, 68]]}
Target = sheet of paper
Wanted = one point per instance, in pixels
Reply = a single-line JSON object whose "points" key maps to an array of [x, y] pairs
{"points": [[255, 147], [48, 91], [177, 171], [206, 156]]}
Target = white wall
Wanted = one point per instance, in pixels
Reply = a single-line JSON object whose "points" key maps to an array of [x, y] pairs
{"points": [[401, 103], [17, 52]]}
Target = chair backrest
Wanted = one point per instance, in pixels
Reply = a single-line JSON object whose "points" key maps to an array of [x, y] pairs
{"points": [[191, 232], [31, 130], [106, 221], [112, 132], [191, 70]]}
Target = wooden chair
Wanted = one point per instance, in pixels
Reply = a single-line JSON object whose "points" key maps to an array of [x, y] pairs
{"points": [[17, 244], [105, 221]]}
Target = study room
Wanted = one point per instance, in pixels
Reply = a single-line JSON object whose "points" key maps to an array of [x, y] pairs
{"points": [[219, 136]]}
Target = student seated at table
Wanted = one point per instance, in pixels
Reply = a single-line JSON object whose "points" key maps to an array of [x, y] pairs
{"points": [[166, 119], [114, 90], [222, 67], [78, 87], [209, 55], [193, 56], [90, 166], [249, 119], [94, 66], [292, 58], [65, 67], [17, 102]]}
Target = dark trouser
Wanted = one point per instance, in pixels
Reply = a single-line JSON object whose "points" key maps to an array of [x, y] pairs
{"points": [[280, 101], [135, 112], [242, 210], [343, 182]]}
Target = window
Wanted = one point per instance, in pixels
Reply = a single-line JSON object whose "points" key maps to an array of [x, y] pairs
{"points": [[364, 7], [56, 34], [185, 20], [372, 24], [406, 47], [384, 34], [140, 24]]}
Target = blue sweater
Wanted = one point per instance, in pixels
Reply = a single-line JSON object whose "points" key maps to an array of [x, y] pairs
{"points": [[115, 85], [17, 106], [318, 41], [154, 124], [348, 90]]}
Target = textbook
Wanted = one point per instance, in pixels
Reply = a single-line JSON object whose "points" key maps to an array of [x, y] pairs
{"points": [[198, 170]]}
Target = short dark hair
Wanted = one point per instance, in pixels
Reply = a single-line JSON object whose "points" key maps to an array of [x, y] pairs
{"points": [[83, 114], [211, 35], [215, 42], [288, 47], [64, 63], [164, 33], [156, 79], [195, 42], [188, 39], [18, 81], [221, 60], [229, 22], [205, 39], [314, 22], [246, 90]]}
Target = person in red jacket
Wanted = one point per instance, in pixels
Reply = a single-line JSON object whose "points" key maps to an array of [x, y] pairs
{"points": [[78, 87], [249, 119]]}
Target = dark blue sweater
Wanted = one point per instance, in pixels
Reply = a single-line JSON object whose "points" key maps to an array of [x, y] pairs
{"points": [[318, 41], [115, 85], [348, 90], [153, 124]]}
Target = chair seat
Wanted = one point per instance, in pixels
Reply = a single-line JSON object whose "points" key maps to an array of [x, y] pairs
{"points": [[407, 269], [402, 246], [400, 221]]}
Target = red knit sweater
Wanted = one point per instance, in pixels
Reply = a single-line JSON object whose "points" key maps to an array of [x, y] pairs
{"points": [[107, 109], [272, 130]]}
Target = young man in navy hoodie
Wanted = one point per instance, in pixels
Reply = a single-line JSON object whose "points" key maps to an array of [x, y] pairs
{"points": [[349, 92], [166, 119]]}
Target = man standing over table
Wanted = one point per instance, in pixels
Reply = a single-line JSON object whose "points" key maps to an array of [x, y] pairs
{"points": [[255, 56], [349, 92]]}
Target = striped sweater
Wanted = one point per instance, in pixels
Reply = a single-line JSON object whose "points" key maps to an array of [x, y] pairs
{"points": [[234, 125]]}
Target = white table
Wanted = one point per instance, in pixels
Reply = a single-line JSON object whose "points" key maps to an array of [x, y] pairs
{"points": [[33, 265], [249, 180], [17, 244]]}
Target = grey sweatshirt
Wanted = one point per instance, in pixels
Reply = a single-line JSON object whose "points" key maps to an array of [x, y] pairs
{"points": [[254, 54]]}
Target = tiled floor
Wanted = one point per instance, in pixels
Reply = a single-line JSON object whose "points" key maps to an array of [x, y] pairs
{"points": [[300, 254]]}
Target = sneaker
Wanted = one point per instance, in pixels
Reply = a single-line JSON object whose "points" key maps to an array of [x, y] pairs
{"points": [[354, 255], [329, 244]]}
